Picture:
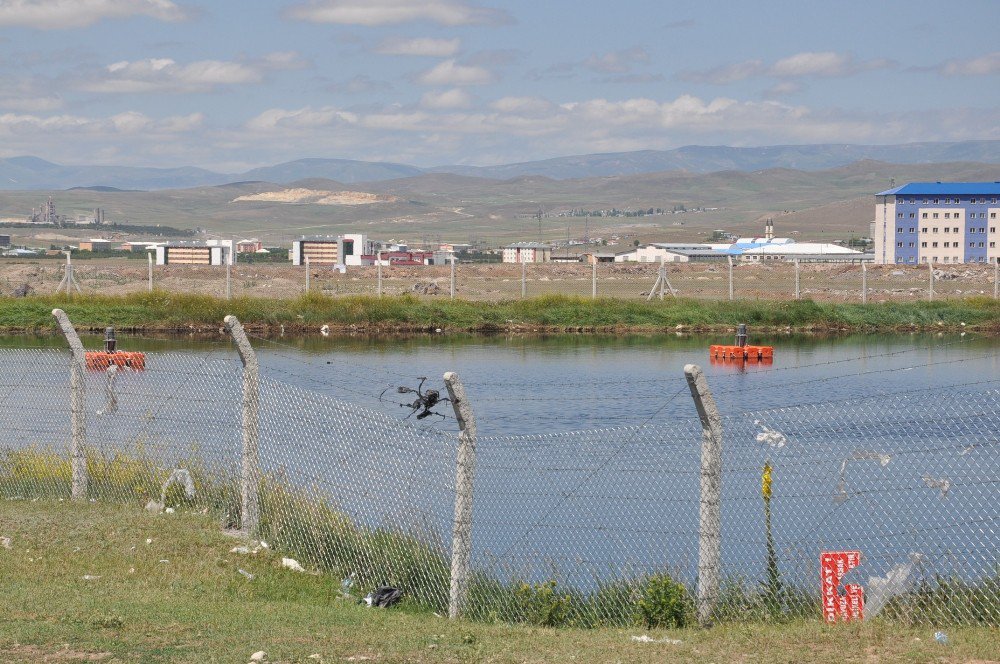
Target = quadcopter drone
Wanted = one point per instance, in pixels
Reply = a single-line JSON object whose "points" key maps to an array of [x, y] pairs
{"points": [[424, 402]]}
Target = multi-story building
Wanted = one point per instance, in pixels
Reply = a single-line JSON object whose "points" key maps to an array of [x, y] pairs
{"points": [[940, 222], [527, 252]]}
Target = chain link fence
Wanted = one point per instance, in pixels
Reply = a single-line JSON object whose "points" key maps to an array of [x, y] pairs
{"points": [[586, 528], [493, 282]]}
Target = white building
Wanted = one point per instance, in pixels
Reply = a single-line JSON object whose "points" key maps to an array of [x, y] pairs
{"points": [[191, 253], [228, 248], [527, 252]]}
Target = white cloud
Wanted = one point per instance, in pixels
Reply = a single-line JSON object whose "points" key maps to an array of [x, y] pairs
{"points": [[166, 75], [985, 65], [528, 127], [454, 98], [438, 48], [280, 119], [125, 123], [726, 73], [825, 64], [522, 105], [387, 12], [57, 14], [279, 60], [450, 72], [616, 62]]}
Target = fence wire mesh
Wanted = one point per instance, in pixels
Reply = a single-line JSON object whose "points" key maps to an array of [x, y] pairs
{"points": [[493, 282], [596, 527]]}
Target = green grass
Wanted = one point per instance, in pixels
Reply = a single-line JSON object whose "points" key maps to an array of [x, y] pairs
{"points": [[197, 607], [169, 311]]}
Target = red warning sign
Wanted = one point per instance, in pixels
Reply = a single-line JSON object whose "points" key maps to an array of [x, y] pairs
{"points": [[833, 565]]}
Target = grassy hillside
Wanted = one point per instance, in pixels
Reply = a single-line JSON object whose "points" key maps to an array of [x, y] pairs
{"points": [[97, 582], [457, 208]]}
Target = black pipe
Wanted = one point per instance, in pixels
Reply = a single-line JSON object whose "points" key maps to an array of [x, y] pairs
{"points": [[109, 340]]}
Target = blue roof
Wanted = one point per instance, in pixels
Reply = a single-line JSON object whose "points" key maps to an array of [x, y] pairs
{"points": [[945, 189]]}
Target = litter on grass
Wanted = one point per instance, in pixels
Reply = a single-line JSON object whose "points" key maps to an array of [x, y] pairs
{"points": [[646, 638], [292, 564]]}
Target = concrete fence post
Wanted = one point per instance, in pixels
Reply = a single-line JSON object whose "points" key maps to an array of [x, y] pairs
{"points": [[593, 280], [864, 283], [149, 255], [378, 271], [250, 467], [307, 274], [524, 277], [77, 406], [930, 275], [461, 539], [730, 277], [996, 278], [710, 505], [229, 280], [453, 277], [798, 291]]}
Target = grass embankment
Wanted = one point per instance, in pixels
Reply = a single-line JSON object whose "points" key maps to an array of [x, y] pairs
{"points": [[160, 311], [181, 598]]}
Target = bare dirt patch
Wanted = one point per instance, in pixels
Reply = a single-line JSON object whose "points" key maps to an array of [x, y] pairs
{"points": [[316, 197]]}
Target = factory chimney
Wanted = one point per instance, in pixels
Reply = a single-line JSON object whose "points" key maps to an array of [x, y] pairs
{"points": [[769, 230]]}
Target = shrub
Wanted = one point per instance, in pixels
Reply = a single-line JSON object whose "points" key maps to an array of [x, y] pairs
{"points": [[665, 603]]}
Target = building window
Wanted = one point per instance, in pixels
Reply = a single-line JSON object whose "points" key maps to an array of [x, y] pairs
{"points": [[946, 229], [993, 245], [956, 229], [899, 229], [993, 229], [972, 245], [923, 215], [982, 215], [947, 215], [972, 201], [935, 201], [923, 230], [911, 244], [934, 244], [899, 244], [912, 215], [982, 244], [993, 215], [899, 215], [935, 229], [911, 230], [994, 201], [935, 215], [923, 244], [982, 229]]}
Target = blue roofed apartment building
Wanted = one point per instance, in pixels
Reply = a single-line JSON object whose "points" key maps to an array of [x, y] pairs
{"points": [[940, 222]]}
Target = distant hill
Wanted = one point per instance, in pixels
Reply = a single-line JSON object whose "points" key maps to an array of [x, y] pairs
{"points": [[710, 159], [32, 173], [342, 170], [35, 173]]}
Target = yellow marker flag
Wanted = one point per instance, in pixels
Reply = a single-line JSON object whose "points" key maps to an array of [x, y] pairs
{"points": [[765, 482]]}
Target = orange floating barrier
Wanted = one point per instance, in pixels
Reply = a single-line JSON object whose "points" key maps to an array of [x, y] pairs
{"points": [[100, 360], [741, 351]]}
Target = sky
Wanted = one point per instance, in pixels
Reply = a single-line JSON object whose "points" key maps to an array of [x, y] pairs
{"points": [[234, 84]]}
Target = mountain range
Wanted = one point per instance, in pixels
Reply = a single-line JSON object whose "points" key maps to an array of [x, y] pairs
{"points": [[34, 173]]}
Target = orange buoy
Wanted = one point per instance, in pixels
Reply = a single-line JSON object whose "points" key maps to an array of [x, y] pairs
{"points": [[741, 351], [102, 359]]}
